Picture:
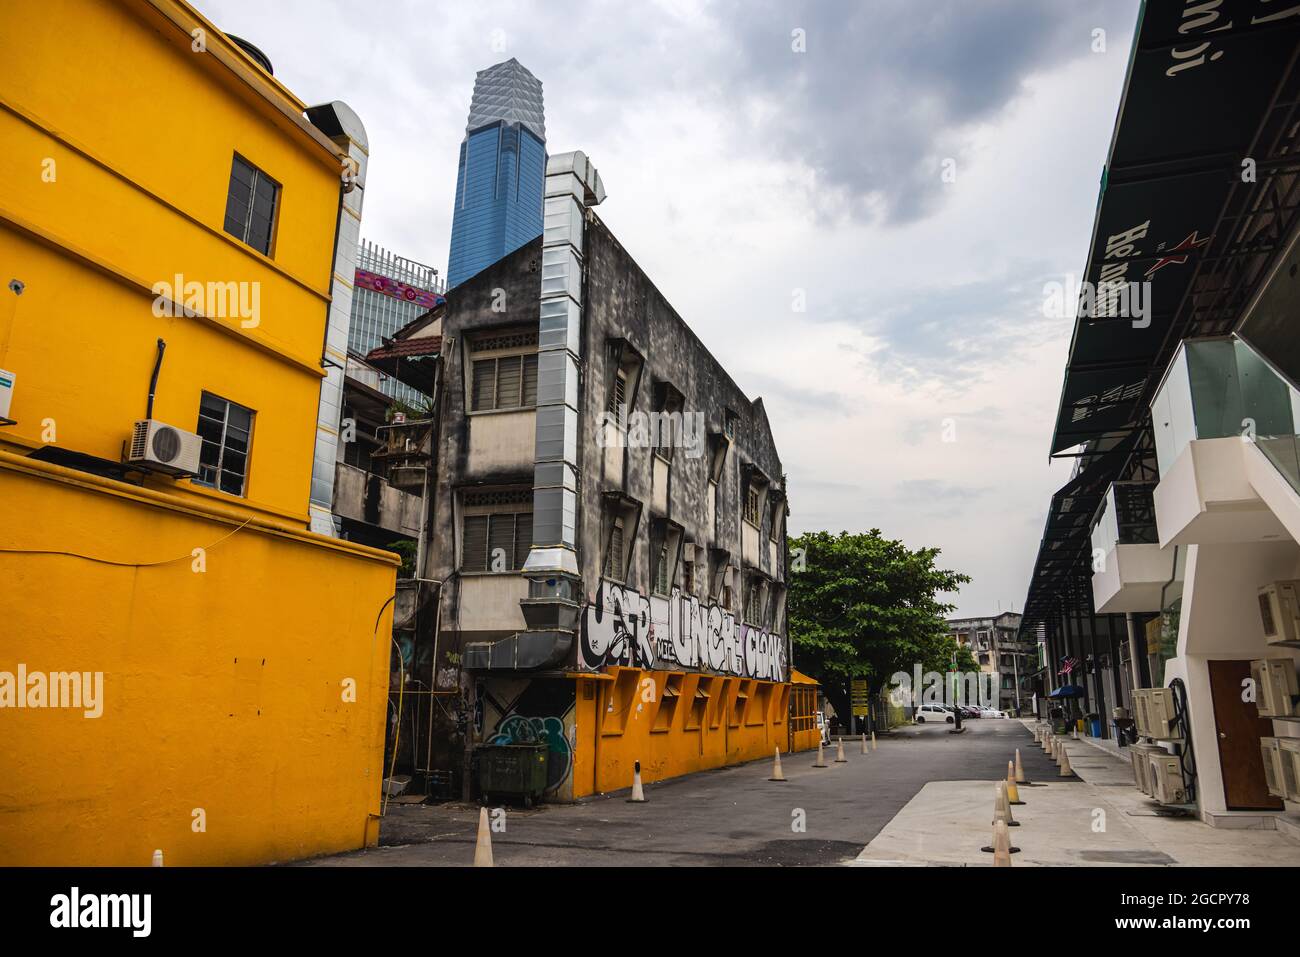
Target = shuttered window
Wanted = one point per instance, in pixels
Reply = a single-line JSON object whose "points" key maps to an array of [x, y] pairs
{"points": [[496, 542], [751, 505], [753, 606], [504, 382]]}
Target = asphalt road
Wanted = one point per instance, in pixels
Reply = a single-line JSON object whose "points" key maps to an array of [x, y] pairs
{"points": [[729, 817]]}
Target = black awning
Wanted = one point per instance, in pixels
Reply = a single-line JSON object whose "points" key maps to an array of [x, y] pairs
{"points": [[1202, 86]]}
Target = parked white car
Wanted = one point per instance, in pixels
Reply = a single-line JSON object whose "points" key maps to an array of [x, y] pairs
{"points": [[933, 712], [992, 713]]}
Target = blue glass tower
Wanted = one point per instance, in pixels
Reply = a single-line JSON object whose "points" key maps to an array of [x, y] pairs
{"points": [[502, 172]]}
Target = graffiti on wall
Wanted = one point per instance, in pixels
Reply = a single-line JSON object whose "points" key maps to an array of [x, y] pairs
{"points": [[624, 627], [534, 711]]}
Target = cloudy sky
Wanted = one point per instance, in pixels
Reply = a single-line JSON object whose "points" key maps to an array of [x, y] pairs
{"points": [[915, 390]]}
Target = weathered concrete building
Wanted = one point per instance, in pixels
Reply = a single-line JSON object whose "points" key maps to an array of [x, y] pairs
{"points": [[608, 529]]}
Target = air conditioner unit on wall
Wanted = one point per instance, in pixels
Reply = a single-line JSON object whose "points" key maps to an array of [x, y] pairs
{"points": [[1274, 775], [1160, 714], [1275, 687], [160, 447], [1141, 709], [1167, 778], [1290, 751], [1140, 755], [1279, 612]]}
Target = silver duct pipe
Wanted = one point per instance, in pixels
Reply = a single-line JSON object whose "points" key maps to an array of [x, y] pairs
{"points": [[572, 184]]}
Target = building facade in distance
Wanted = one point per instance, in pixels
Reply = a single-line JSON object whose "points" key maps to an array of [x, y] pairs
{"points": [[612, 546], [995, 643], [502, 167]]}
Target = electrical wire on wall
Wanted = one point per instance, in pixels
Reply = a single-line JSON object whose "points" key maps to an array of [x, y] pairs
{"points": [[1182, 719], [189, 556]]}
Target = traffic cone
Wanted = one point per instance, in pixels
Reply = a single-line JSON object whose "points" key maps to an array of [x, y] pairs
{"points": [[638, 794], [821, 757], [483, 847], [1066, 770], [776, 767], [1013, 793], [157, 858], [1001, 845], [993, 848], [1047, 743], [839, 753], [1020, 770], [1006, 805], [864, 744], [873, 740]]}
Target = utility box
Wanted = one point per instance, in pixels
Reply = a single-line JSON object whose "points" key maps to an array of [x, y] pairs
{"points": [[512, 771]]}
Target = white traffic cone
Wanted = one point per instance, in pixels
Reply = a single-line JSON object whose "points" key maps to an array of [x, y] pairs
{"points": [[1001, 844], [776, 767], [1004, 799], [638, 793], [157, 858], [483, 846], [821, 757], [1066, 770], [1020, 770], [873, 740], [864, 744], [839, 753]]}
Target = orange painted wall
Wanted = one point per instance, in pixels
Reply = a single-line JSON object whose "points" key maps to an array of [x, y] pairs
{"points": [[674, 723]]}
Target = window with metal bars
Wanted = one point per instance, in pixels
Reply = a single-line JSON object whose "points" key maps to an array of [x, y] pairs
{"points": [[614, 566], [503, 382], [617, 394], [661, 570], [226, 430], [497, 542], [754, 604], [751, 505], [251, 202]]}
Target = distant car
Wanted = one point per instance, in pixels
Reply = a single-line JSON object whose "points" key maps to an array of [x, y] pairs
{"points": [[992, 713], [970, 711], [933, 712]]}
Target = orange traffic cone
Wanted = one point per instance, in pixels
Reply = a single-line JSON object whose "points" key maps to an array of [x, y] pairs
{"points": [[1013, 793], [1020, 770]]}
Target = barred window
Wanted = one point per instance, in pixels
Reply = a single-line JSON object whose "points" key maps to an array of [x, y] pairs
{"points": [[614, 555], [618, 394], [751, 505], [661, 570]]}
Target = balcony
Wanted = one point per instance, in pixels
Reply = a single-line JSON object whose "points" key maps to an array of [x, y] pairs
{"points": [[365, 497], [1129, 567], [1224, 428]]}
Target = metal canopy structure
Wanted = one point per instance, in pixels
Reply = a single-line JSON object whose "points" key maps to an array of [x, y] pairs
{"points": [[1200, 194]]}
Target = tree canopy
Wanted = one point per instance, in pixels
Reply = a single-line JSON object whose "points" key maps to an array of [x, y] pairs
{"points": [[865, 606]]}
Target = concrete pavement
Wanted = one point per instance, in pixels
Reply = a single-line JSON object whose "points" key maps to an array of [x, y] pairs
{"points": [[1101, 820], [733, 816]]}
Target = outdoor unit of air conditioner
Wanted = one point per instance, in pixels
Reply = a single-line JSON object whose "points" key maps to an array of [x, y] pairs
{"points": [[1279, 612], [1166, 778], [1274, 776], [1290, 750], [1275, 687], [164, 448], [1160, 714], [1141, 710], [1141, 757]]}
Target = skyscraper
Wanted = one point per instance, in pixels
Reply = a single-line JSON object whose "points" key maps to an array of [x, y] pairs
{"points": [[502, 171]]}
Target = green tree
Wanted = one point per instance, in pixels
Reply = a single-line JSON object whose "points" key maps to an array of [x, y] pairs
{"points": [[865, 606]]}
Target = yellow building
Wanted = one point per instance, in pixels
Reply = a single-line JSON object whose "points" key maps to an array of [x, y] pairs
{"points": [[185, 665]]}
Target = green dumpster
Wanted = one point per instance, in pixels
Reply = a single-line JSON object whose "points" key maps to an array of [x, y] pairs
{"points": [[512, 771]]}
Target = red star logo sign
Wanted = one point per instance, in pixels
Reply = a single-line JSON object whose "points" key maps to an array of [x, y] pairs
{"points": [[1178, 254]]}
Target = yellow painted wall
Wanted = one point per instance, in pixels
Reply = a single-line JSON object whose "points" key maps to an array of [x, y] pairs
{"points": [[223, 687], [741, 720]]}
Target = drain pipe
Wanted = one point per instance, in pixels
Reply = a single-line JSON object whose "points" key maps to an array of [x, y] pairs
{"points": [[153, 379]]}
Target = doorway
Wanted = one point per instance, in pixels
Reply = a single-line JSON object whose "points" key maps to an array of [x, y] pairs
{"points": [[1238, 728]]}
